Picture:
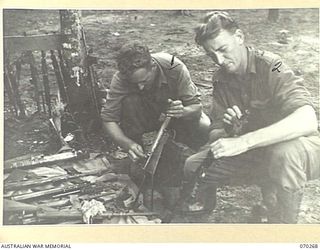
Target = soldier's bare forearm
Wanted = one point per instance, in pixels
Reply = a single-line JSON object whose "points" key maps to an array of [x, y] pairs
{"points": [[117, 135], [288, 128], [192, 111]]}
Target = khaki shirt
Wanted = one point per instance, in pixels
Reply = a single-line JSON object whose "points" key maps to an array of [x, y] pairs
{"points": [[269, 95], [173, 82]]}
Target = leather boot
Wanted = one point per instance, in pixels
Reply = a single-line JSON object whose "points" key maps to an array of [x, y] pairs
{"points": [[202, 200], [270, 202], [289, 205]]}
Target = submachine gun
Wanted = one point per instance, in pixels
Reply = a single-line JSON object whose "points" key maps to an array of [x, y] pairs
{"points": [[153, 156]]}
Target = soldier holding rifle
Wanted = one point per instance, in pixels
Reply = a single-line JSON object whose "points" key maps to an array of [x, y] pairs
{"points": [[145, 86]]}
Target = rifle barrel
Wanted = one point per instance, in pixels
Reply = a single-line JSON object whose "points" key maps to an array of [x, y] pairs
{"points": [[62, 191], [78, 214], [160, 133], [41, 160], [31, 183], [157, 140]]}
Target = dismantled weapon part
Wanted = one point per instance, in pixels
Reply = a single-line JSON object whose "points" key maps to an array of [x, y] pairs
{"points": [[40, 160], [31, 183], [78, 214], [62, 191], [238, 126], [153, 158]]}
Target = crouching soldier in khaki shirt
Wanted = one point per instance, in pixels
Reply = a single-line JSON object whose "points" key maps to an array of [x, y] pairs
{"points": [[145, 86], [263, 121]]}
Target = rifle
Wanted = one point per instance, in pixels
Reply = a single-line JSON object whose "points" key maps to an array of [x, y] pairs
{"points": [[32, 183], [10, 90], [89, 60], [153, 158], [47, 216], [14, 206], [59, 76], [63, 191], [79, 215], [40, 160], [45, 80]]}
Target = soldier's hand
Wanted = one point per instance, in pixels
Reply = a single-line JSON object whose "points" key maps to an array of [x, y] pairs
{"points": [[175, 108], [232, 115], [233, 122], [136, 152], [226, 147]]}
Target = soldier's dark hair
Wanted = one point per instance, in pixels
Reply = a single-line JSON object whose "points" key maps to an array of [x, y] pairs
{"points": [[212, 24], [132, 56]]}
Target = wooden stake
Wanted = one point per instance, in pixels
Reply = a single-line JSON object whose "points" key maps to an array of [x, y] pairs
{"points": [[16, 84]]}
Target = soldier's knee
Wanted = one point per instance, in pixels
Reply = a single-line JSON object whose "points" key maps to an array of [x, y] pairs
{"points": [[282, 156], [193, 163], [286, 164], [204, 124], [280, 152]]}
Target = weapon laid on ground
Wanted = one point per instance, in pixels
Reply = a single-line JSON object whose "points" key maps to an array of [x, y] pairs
{"points": [[63, 191], [153, 158], [40, 160], [32, 183], [78, 214], [14, 206], [53, 216], [13, 211]]}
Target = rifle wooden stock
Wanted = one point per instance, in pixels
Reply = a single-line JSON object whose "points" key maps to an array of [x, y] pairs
{"points": [[32, 183], [41, 160], [156, 149], [14, 206], [45, 80], [154, 155], [62, 191]]}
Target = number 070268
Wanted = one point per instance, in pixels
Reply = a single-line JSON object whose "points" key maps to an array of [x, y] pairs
{"points": [[308, 246]]}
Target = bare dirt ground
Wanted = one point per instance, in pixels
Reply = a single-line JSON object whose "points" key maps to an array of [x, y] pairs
{"points": [[167, 31]]}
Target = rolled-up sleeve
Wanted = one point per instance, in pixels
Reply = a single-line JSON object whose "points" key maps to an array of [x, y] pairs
{"points": [[218, 107], [188, 92], [288, 90], [111, 111]]}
